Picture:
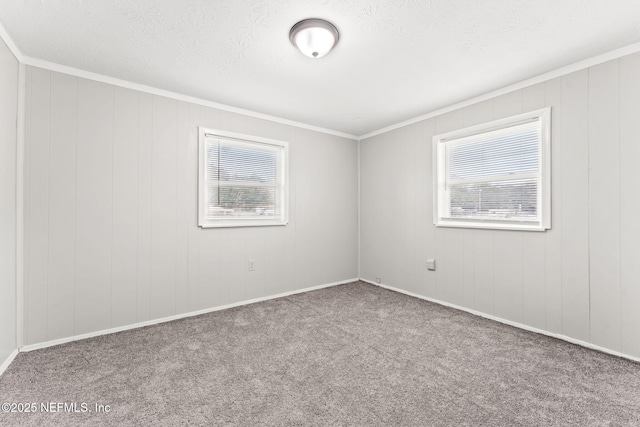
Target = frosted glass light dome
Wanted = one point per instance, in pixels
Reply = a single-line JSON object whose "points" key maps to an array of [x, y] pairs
{"points": [[314, 37]]}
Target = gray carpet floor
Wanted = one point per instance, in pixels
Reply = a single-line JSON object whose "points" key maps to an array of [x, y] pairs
{"points": [[353, 354]]}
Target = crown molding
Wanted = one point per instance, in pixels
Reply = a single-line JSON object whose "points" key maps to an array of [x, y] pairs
{"points": [[559, 72], [10, 43], [52, 66]]}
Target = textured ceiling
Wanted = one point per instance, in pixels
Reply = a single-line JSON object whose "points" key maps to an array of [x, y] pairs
{"points": [[396, 59]]}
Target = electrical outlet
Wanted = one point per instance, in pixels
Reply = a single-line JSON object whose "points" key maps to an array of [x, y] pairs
{"points": [[252, 265], [431, 264], [378, 280]]}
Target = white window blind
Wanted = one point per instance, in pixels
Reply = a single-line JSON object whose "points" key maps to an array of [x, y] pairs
{"points": [[494, 175], [242, 180]]}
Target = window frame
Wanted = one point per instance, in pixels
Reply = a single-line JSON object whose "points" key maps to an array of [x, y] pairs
{"points": [[252, 221], [441, 164]]}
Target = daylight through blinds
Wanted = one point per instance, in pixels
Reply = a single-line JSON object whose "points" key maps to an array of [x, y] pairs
{"points": [[243, 179], [495, 175]]}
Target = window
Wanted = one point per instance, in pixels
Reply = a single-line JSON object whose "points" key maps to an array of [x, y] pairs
{"points": [[495, 175], [243, 180]]}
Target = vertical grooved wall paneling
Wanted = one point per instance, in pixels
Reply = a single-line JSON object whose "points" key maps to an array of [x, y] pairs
{"points": [[183, 203], [629, 204], [163, 208], [191, 211], [144, 184], [125, 207], [575, 193], [580, 279], [94, 207], [26, 199], [62, 193], [429, 236], [9, 82], [36, 289], [111, 211], [604, 203], [553, 237]]}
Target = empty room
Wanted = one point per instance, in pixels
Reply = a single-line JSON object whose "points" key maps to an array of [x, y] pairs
{"points": [[322, 213]]}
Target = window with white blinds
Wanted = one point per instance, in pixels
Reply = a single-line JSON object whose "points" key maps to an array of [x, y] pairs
{"points": [[495, 175], [243, 180]]}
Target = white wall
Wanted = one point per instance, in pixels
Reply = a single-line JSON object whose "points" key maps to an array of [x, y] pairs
{"points": [[8, 127], [110, 211], [581, 278]]}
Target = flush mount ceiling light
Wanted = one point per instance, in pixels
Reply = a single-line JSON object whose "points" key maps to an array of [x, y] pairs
{"points": [[314, 37]]}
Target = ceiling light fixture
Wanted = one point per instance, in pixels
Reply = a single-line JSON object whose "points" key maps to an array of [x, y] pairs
{"points": [[314, 37]]}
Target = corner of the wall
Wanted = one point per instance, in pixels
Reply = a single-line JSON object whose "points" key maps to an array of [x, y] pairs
{"points": [[4, 35], [41, 345], [509, 322], [558, 72], [359, 216], [7, 362], [20, 144]]}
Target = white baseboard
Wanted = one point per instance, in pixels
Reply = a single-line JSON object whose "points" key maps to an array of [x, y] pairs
{"points": [[38, 346], [508, 322], [8, 361]]}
